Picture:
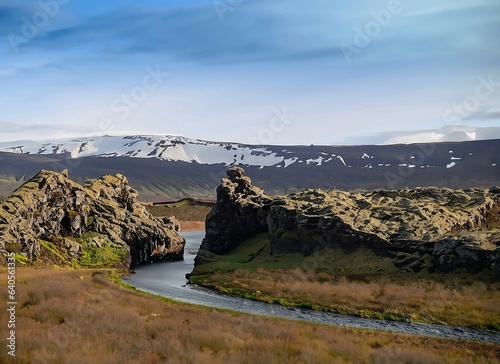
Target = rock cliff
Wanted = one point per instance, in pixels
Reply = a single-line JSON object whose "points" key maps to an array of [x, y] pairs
{"points": [[421, 228], [51, 218], [240, 212]]}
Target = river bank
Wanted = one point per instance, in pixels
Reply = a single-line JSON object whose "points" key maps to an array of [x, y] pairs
{"points": [[168, 280], [68, 315]]}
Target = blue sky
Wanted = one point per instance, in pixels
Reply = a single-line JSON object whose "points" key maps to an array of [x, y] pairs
{"points": [[273, 72]]}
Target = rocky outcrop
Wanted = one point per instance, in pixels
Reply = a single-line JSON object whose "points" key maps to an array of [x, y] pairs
{"points": [[51, 211], [432, 228], [421, 228], [240, 212]]}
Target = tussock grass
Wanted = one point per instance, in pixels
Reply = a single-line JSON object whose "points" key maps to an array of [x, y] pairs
{"points": [[80, 316], [476, 305], [359, 283]]}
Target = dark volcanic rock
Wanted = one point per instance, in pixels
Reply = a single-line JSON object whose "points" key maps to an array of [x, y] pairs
{"points": [[53, 208], [240, 212], [458, 229], [422, 228]]}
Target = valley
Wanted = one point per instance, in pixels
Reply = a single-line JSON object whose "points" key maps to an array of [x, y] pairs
{"points": [[419, 262]]}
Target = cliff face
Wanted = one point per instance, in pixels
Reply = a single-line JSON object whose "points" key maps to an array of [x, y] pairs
{"points": [[240, 212], [422, 228], [51, 209]]}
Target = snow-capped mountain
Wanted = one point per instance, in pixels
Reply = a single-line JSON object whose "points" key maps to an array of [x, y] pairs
{"points": [[173, 166], [168, 148], [181, 149], [448, 133]]}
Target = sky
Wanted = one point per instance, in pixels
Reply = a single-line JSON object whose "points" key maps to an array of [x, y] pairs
{"points": [[248, 71]]}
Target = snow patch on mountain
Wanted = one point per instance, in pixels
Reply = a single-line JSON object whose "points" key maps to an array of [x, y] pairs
{"points": [[170, 148], [448, 133], [177, 148]]}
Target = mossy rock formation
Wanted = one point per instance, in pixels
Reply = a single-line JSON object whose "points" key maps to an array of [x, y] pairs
{"points": [[240, 212], [438, 229], [51, 214]]}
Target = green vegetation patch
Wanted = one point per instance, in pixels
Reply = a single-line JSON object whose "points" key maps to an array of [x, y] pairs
{"points": [[21, 259], [255, 253], [100, 257], [53, 249], [252, 254], [105, 255], [96, 251]]}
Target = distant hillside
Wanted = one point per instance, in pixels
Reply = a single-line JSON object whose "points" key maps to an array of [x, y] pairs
{"points": [[181, 167]]}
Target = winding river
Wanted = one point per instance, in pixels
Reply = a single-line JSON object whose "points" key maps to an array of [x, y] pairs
{"points": [[169, 280]]}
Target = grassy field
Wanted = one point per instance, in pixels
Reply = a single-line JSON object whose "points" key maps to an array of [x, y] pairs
{"points": [[358, 283], [191, 217], [8, 184], [82, 316]]}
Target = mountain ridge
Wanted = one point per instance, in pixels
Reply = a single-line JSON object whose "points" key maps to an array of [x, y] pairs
{"points": [[170, 168]]}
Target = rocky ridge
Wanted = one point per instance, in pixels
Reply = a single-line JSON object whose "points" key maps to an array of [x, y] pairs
{"points": [[50, 214], [240, 212], [422, 228]]}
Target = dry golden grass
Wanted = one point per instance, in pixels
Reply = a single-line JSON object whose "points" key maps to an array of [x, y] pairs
{"points": [[192, 225], [191, 217], [182, 212], [77, 316], [422, 300]]}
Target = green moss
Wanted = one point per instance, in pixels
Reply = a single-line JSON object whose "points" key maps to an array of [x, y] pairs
{"points": [[89, 221], [109, 255], [252, 254], [87, 238], [106, 256], [21, 259], [72, 214], [255, 253], [50, 247]]}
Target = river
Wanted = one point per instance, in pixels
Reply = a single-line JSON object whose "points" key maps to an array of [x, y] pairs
{"points": [[168, 280]]}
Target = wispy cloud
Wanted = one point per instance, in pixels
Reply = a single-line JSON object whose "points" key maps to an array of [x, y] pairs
{"points": [[15, 131], [485, 113], [263, 54], [266, 31], [194, 34]]}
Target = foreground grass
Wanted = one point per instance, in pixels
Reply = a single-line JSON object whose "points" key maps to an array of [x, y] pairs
{"points": [[357, 283], [79, 316]]}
